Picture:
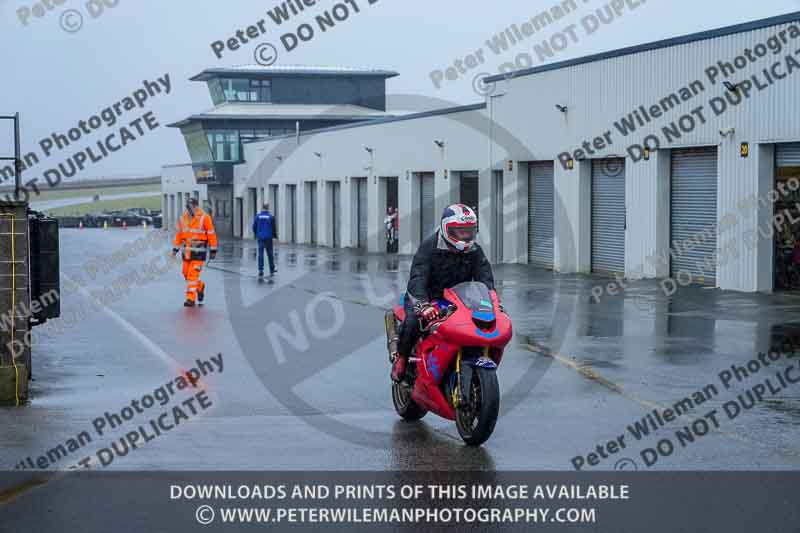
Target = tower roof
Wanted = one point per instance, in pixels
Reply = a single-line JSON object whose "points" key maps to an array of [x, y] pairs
{"points": [[292, 70]]}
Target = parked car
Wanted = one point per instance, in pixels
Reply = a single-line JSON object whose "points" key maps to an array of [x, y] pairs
{"points": [[96, 220], [131, 217], [151, 216], [141, 211]]}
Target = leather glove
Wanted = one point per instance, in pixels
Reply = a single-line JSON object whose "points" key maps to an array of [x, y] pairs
{"points": [[428, 313], [213, 254]]}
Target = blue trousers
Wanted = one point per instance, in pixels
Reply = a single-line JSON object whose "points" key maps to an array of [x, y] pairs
{"points": [[265, 244]]}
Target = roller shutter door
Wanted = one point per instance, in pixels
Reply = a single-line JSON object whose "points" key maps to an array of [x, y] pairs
{"points": [[608, 216], [788, 155], [427, 203], [497, 212], [273, 204], [469, 190], [254, 201], [392, 192], [336, 215], [292, 189], [361, 211], [693, 215], [540, 214], [312, 212], [240, 211]]}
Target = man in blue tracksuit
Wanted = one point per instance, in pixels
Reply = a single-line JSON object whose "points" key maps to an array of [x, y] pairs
{"points": [[264, 230]]}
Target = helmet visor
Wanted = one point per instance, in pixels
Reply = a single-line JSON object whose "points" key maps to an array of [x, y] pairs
{"points": [[463, 234]]}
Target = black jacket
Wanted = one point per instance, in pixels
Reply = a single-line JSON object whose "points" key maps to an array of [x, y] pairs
{"points": [[436, 267]]}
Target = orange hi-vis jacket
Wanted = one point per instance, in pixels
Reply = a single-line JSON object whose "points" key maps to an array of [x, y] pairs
{"points": [[196, 235]]}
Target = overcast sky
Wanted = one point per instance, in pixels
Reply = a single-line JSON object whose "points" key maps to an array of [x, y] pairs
{"points": [[54, 78]]}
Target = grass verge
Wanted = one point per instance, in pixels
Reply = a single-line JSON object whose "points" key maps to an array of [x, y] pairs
{"points": [[148, 202]]}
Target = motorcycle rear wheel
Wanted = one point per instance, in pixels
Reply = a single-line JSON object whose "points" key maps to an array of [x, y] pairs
{"points": [[404, 405], [477, 415]]}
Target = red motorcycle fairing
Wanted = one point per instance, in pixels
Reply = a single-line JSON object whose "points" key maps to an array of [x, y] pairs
{"points": [[437, 352]]}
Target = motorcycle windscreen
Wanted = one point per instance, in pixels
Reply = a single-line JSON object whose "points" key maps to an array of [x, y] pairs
{"points": [[475, 297]]}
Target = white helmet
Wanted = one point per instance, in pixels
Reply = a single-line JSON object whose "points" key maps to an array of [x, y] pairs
{"points": [[459, 227]]}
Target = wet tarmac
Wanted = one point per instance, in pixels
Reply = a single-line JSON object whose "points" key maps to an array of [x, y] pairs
{"points": [[304, 380]]}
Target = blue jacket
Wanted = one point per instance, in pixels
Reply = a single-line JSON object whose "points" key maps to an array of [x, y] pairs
{"points": [[263, 225]]}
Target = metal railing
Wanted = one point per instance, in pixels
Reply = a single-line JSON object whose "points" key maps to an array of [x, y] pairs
{"points": [[17, 159]]}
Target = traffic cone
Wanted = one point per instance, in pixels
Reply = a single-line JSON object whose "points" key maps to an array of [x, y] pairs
{"points": [[124, 224]]}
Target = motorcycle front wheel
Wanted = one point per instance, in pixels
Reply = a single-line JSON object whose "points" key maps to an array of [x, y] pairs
{"points": [[477, 415]]}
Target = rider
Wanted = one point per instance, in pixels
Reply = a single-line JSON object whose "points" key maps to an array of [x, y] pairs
{"points": [[391, 225], [448, 257]]}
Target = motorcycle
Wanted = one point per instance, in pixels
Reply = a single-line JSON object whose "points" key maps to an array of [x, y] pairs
{"points": [[452, 370]]}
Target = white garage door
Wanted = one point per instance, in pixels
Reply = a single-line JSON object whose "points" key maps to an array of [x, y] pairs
{"points": [[608, 216], [427, 205], [497, 214], [693, 215], [336, 214], [312, 212], [273, 204], [292, 190], [469, 190], [540, 214], [361, 211]]}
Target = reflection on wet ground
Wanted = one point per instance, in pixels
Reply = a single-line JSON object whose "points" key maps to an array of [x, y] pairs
{"points": [[579, 371]]}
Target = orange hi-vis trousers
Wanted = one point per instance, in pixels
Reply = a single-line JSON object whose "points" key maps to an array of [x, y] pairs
{"points": [[196, 234], [191, 273]]}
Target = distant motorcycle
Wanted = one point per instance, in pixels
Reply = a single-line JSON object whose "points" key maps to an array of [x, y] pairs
{"points": [[453, 368]]}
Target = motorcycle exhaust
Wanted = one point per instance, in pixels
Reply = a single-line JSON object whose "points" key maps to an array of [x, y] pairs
{"points": [[391, 333]]}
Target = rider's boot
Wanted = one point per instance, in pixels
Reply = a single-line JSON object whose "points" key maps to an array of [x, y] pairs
{"points": [[399, 367]]}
